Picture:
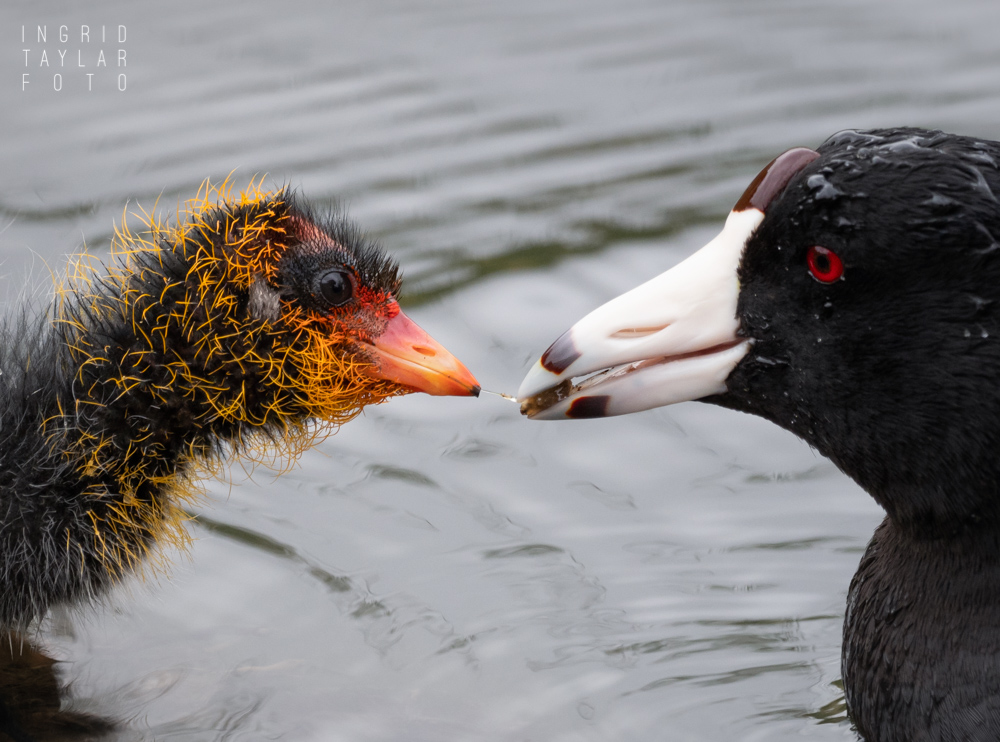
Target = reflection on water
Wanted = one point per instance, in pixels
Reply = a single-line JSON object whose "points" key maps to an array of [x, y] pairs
{"points": [[443, 569]]}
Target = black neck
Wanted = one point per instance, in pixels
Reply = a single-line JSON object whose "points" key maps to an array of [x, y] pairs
{"points": [[945, 493], [921, 654]]}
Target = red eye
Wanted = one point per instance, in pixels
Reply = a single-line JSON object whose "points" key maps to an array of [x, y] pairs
{"points": [[825, 265]]}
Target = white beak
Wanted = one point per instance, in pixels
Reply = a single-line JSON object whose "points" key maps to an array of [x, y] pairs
{"points": [[669, 340]]}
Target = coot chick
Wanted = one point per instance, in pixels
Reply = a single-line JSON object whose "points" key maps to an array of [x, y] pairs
{"points": [[254, 325], [853, 298]]}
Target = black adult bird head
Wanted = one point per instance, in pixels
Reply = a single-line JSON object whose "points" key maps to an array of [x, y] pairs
{"points": [[852, 298]]}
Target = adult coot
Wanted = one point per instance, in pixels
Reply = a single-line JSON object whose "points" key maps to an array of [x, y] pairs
{"points": [[853, 297]]}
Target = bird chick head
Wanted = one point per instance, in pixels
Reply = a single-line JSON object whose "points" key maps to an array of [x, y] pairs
{"points": [[298, 313]]}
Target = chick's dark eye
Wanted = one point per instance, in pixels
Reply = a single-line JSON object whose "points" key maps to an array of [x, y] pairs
{"points": [[335, 288], [824, 265]]}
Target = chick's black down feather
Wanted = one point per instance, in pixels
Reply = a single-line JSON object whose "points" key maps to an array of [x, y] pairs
{"points": [[251, 323]]}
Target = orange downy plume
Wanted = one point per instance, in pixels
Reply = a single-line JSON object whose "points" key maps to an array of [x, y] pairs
{"points": [[276, 386]]}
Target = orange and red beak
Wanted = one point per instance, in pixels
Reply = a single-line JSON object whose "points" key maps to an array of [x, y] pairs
{"points": [[408, 356]]}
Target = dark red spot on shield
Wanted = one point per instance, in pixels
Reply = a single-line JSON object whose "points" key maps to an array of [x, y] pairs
{"points": [[771, 181]]}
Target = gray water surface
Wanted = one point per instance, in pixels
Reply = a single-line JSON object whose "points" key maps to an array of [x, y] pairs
{"points": [[442, 569]]}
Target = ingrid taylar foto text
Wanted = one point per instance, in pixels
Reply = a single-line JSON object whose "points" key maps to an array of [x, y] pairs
{"points": [[75, 60]]}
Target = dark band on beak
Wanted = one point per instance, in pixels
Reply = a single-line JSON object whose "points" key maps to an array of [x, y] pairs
{"points": [[560, 354], [588, 407]]}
